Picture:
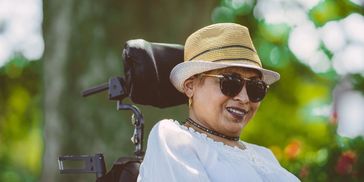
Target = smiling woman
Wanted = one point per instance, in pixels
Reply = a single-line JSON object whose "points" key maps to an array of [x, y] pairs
{"points": [[225, 82], [222, 104]]}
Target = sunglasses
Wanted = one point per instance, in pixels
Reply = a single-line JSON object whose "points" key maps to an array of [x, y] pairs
{"points": [[232, 83]]}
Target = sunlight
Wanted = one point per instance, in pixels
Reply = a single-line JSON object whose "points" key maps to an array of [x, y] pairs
{"points": [[282, 11], [358, 2], [20, 24], [236, 4], [354, 26], [4, 50], [321, 111], [304, 41], [308, 4], [349, 60], [319, 62], [344, 39], [333, 37], [351, 115]]}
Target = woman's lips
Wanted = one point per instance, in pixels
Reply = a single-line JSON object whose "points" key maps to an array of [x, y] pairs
{"points": [[236, 112]]}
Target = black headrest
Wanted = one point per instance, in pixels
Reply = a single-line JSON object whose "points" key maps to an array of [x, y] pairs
{"points": [[147, 67]]}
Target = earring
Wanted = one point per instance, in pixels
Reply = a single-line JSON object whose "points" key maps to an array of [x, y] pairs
{"points": [[189, 102]]}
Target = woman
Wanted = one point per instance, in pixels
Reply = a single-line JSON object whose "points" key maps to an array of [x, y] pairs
{"points": [[224, 80]]}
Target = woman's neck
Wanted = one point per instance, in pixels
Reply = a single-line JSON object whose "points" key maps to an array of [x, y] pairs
{"points": [[214, 137]]}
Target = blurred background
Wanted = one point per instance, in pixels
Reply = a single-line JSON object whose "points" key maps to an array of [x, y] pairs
{"points": [[312, 119]]}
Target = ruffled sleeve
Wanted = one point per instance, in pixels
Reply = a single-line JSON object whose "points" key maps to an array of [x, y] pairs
{"points": [[171, 156], [266, 153]]}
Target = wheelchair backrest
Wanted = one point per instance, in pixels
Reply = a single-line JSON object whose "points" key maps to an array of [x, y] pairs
{"points": [[147, 67]]}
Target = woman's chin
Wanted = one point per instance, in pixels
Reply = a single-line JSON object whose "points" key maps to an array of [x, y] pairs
{"points": [[234, 129]]}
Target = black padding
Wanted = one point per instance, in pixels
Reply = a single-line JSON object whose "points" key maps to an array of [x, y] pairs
{"points": [[125, 169], [147, 67]]}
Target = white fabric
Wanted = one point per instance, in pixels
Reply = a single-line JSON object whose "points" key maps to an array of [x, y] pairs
{"points": [[177, 153]]}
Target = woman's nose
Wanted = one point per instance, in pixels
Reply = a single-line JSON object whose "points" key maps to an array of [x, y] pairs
{"points": [[242, 96]]}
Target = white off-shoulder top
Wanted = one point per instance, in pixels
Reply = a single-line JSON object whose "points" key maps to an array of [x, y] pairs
{"points": [[177, 153]]}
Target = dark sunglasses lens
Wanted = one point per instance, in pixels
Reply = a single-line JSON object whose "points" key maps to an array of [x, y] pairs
{"points": [[230, 85], [256, 90]]}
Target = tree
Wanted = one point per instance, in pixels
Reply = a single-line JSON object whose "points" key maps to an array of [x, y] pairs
{"points": [[83, 48]]}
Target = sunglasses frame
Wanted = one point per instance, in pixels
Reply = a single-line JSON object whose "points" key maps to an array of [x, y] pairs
{"points": [[245, 80]]}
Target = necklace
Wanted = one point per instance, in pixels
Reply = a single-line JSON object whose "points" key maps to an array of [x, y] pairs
{"points": [[192, 122]]}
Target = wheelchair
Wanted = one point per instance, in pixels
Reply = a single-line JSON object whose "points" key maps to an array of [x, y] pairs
{"points": [[146, 81]]}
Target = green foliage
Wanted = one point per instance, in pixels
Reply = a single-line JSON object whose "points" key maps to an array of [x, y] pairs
{"points": [[294, 121], [329, 10], [358, 82], [340, 161], [20, 121]]}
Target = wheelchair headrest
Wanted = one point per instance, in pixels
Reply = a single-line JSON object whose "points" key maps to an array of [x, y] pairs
{"points": [[147, 67]]}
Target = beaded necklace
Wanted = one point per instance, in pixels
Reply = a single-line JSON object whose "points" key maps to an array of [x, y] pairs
{"points": [[190, 121]]}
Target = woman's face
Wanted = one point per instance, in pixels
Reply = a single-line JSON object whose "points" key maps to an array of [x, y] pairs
{"points": [[210, 107]]}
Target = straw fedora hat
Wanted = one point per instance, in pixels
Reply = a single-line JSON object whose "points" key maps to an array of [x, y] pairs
{"points": [[219, 46]]}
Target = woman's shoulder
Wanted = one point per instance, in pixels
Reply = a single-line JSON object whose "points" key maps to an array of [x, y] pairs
{"points": [[167, 123], [167, 127], [169, 131]]}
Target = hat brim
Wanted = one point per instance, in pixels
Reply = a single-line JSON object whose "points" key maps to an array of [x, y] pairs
{"points": [[182, 71]]}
